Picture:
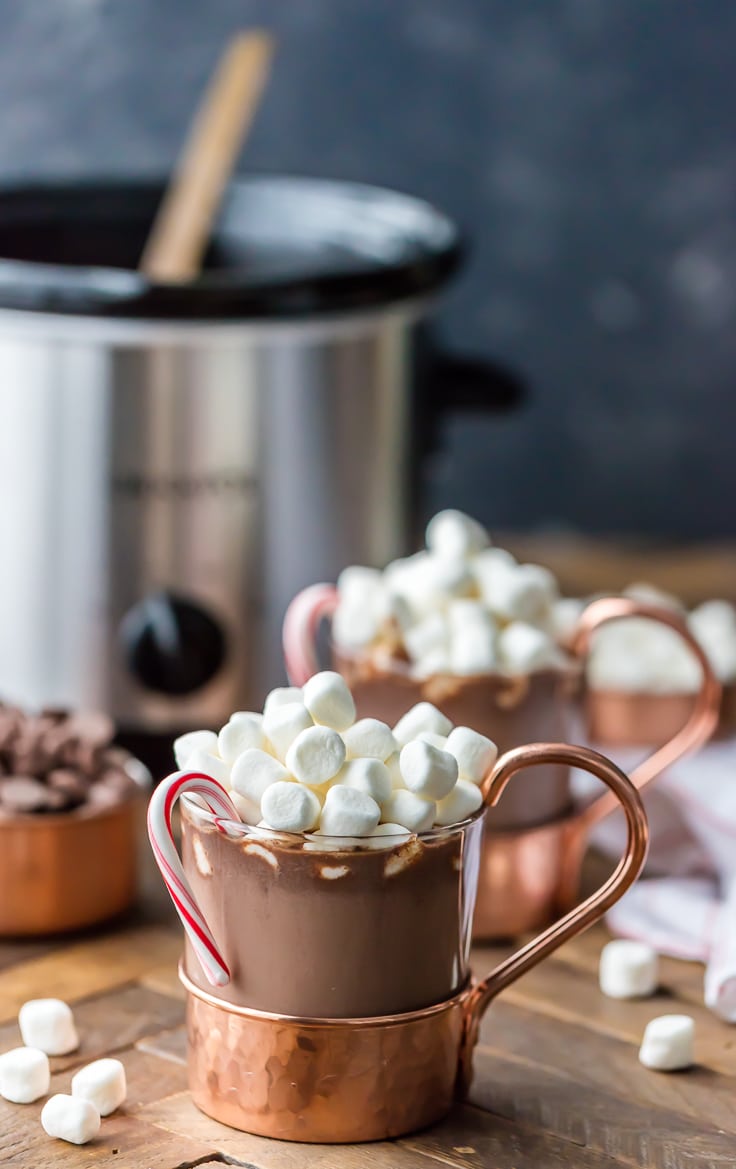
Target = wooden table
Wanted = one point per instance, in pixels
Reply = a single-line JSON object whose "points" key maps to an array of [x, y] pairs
{"points": [[557, 1081]]}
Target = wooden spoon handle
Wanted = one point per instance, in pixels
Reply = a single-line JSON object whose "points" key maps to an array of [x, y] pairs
{"points": [[181, 230]]}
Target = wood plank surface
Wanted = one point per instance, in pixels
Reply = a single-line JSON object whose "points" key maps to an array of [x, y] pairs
{"points": [[557, 1079]]}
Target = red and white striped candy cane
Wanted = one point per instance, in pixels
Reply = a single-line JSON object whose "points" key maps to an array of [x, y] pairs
{"points": [[301, 624], [161, 836]]}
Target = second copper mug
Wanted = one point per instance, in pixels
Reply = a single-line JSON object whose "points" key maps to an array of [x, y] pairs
{"points": [[329, 994], [534, 844]]}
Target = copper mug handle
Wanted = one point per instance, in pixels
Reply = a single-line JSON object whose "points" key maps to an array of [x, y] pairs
{"points": [[696, 731], [299, 634], [581, 916]]}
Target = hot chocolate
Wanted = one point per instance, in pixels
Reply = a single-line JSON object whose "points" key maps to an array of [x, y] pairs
{"points": [[349, 932]]}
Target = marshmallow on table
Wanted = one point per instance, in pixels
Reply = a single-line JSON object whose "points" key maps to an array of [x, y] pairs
{"points": [[475, 753], [667, 1045], [428, 771], [523, 647], [290, 807], [244, 730], [102, 1083], [422, 717], [282, 724], [329, 701], [367, 775], [464, 799], [24, 1075], [628, 969], [453, 534], [253, 772], [49, 1025], [348, 812], [369, 738], [316, 755], [192, 741], [282, 696], [410, 810], [70, 1119]]}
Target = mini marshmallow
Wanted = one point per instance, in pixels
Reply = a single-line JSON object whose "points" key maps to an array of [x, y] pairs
{"points": [[191, 741], [427, 770], [523, 592], [487, 565], [465, 613], [455, 535], [473, 651], [102, 1083], [649, 594], [290, 807], [254, 771], [367, 775], [523, 648], [358, 585], [394, 769], [209, 764], [438, 741], [628, 970], [409, 810], [464, 799], [422, 717], [667, 1045], [49, 1025], [24, 1075], [282, 724], [426, 581], [386, 836], [315, 755], [282, 696], [70, 1119], [475, 753], [329, 701], [428, 635], [369, 739], [714, 625], [249, 812], [355, 626], [564, 616], [244, 730], [437, 661], [348, 812]]}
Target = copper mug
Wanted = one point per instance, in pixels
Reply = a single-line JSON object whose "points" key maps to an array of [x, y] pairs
{"points": [[346, 1078], [530, 870]]}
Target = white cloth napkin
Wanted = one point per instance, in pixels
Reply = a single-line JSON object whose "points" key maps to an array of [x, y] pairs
{"points": [[685, 905]]}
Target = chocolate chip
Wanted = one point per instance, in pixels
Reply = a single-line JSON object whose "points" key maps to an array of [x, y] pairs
{"points": [[22, 793]]}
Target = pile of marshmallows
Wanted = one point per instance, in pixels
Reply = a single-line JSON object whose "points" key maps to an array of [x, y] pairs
{"points": [[461, 607], [306, 765], [630, 970], [641, 656], [47, 1028]]}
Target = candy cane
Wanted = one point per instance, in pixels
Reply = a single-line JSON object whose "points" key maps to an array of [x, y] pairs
{"points": [[167, 858], [301, 624]]}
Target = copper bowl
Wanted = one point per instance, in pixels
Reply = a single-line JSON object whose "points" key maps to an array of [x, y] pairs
{"points": [[69, 870]]}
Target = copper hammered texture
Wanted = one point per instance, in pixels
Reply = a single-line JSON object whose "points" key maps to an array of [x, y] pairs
{"points": [[327, 1082]]}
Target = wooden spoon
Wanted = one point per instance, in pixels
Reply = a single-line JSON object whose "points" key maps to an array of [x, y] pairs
{"points": [[181, 230]]}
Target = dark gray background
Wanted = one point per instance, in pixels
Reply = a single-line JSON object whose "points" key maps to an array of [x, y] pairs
{"points": [[588, 145]]}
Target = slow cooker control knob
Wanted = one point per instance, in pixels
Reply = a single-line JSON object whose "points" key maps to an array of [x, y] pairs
{"points": [[171, 644]]}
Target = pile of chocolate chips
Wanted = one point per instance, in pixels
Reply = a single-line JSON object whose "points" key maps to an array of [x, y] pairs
{"points": [[59, 760]]}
